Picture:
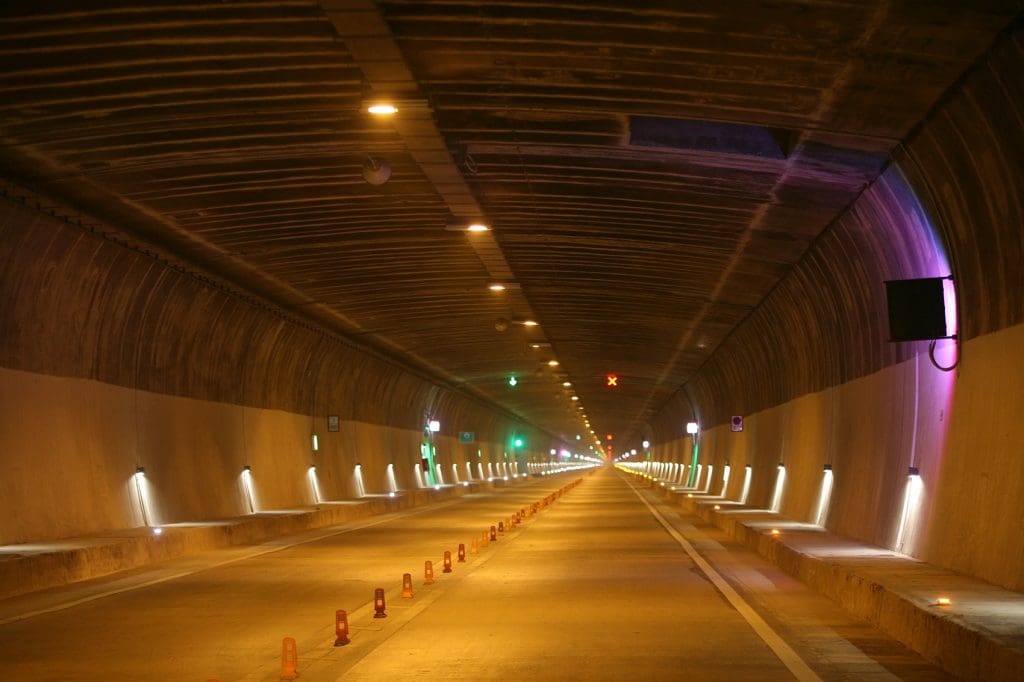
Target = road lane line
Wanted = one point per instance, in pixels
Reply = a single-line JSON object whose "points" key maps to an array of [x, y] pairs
{"points": [[789, 658]]}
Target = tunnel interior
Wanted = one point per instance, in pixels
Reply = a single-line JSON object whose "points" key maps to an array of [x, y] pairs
{"points": [[216, 305]]}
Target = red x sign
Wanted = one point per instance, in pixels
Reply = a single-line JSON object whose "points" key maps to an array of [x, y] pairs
{"points": [[612, 380]]}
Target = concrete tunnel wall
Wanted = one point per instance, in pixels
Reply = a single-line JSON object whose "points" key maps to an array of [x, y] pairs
{"points": [[819, 383], [110, 359]]}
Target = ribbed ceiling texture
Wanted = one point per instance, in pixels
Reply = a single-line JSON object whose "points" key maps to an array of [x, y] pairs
{"points": [[650, 170]]}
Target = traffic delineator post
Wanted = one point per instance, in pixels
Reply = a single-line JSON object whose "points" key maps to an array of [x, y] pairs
{"points": [[340, 628], [494, 534], [473, 549], [289, 659], [462, 553], [378, 603], [447, 562], [428, 573], [407, 586]]}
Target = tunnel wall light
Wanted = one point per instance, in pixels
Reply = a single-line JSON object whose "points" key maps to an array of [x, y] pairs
{"points": [[745, 492], [824, 496], [314, 484], [692, 428], [248, 488], [912, 494], [391, 482], [434, 426], [316, 442], [357, 481], [780, 484], [142, 493]]}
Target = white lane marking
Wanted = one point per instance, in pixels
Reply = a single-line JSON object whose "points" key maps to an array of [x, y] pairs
{"points": [[789, 658], [253, 555]]}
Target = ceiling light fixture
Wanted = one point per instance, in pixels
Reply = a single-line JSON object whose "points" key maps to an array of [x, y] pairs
{"points": [[478, 227], [552, 363], [382, 109], [496, 286]]}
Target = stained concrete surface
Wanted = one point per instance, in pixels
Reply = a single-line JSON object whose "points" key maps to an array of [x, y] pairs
{"points": [[590, 588]]}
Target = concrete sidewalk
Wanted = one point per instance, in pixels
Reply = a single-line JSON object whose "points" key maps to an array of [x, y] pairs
{"points": [[979, 635], [27, 568]]}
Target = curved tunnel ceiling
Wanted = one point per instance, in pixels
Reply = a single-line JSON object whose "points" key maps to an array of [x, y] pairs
{"points": [[650, 170]]}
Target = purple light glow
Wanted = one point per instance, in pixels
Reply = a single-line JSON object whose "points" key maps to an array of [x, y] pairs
{"points": [[922, 254]]}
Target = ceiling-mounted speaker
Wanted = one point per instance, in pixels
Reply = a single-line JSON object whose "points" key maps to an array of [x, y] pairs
{"points": [[376, 171], [917, 309]]}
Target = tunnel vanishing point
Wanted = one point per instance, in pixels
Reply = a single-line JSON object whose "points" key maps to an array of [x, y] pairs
{"points": [[269, 268]]}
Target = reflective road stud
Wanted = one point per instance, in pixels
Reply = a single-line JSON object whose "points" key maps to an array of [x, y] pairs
{"points": [[406, 586], [340, 628], [289, 659], [378, 603], [462, 553], [447, 562], [428, 573]]}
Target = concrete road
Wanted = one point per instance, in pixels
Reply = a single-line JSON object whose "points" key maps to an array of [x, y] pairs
{"points": [[598, 586]]}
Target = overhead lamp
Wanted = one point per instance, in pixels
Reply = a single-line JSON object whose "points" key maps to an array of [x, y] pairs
{"points": [[552, 363], [567, 384], [382, 109], [529, 323], [575, 397], [496, 286], [455, 224], [691, 427]]}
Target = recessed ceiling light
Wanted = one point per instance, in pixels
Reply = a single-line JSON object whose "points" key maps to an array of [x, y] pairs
{"points": [[566, 384], [575, 397], [552, 363], [382, 109], [529, 323], [478, 227], [496, 286]]}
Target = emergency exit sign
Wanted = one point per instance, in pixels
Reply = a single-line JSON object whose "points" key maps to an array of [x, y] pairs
{"points": [[467, 437]]}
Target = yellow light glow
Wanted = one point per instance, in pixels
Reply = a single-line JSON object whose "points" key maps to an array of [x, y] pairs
{"points": [[717, 507], [552, 363], [776, 531], [496, 287], [943, 601], [575, 397], [478, 227], [529, 323], [566, 384], [382, 109]]}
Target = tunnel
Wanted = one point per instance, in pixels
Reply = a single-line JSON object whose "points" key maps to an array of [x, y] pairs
{"points": [[452, 339]]}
